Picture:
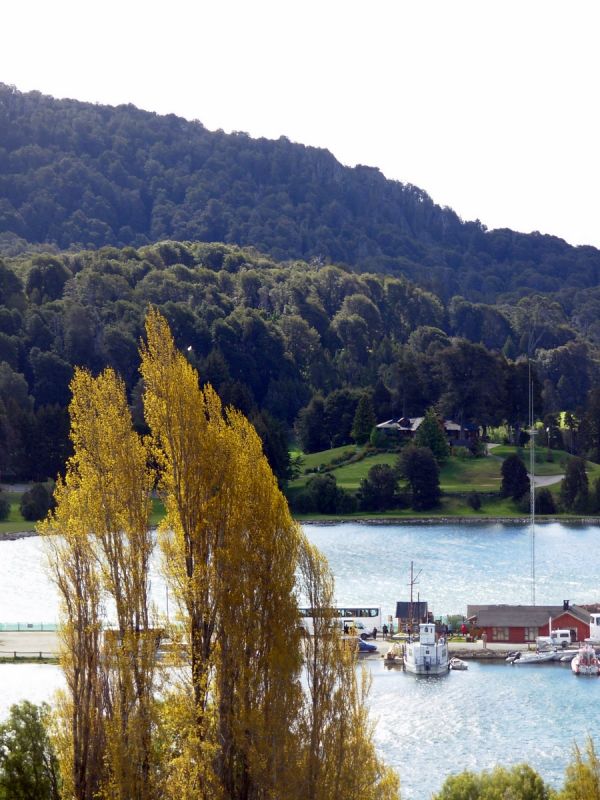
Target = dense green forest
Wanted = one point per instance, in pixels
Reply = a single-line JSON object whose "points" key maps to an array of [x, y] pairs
{"points": [[294, 345], [297, 286], [78, 175]]}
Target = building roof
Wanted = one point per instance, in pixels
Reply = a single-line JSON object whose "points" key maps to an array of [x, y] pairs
{"points": [[403, 609], [408, 424], [411, 424], [522, 616]]}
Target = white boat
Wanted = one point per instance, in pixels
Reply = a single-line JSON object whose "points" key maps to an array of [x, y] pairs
{"points": [[458, 663], [535, 658], [585, 662], [568, 655], [428, 655]]}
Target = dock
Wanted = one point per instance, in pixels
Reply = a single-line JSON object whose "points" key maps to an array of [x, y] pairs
{"points": [[467, 651]]}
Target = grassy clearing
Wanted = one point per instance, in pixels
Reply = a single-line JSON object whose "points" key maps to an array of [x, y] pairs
{"points": [[15, 522], [542, 465], [325, 458], [452, 506], [157, 512], [457, 475], [471, 475]]}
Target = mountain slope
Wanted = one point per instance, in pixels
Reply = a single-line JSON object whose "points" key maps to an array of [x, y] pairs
{"points": [[84, 175]]}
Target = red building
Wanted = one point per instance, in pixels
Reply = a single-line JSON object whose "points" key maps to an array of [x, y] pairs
{"points": [[523, 624]]}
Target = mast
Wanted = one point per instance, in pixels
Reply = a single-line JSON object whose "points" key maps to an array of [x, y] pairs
{"points": [[413, 580], [532, 433]]}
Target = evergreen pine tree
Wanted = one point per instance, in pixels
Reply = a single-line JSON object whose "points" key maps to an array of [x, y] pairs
{"points": [[431, 434], [364, 419], [574, 487], [418, 466], [515, 480]]}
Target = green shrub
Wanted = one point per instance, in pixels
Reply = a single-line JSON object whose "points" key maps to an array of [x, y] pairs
{"points": [[462, 453], [36, 502], [474, 501], [544, 502], [4, 506]]}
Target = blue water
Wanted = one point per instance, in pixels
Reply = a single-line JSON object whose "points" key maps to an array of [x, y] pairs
{"points": [[460, 564], [426, 728]]}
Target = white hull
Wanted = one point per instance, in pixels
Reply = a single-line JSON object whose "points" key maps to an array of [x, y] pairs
{"points": [[428, 656], [534, 658], [585, 662], [432, 669]]}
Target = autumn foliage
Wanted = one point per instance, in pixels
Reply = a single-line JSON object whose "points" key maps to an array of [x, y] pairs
{"points": [[240, 708]]}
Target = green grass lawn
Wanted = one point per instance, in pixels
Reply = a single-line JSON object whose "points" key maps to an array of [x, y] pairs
{"points": [[471, 475], [457, 475], [324, 457], [542, 465], [157, 512], [15, 522], [458, 478]]}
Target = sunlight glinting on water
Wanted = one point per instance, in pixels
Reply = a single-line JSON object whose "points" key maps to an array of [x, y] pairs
{"points": [[426, 728]]}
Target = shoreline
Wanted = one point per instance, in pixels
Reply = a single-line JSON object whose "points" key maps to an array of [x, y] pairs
{"points": [[450, 520], [11, 536]]}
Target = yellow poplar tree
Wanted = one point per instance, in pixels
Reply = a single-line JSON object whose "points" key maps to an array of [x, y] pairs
{"points": [[230, 552], [339, 758], [101, 521], [81, 739]]}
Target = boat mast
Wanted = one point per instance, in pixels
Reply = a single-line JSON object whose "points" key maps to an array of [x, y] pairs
{"points": [[532, 433], [413, 580]]}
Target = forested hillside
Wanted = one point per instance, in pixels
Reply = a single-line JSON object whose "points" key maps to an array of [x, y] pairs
{"points": [[290, 344], [78, 175]]}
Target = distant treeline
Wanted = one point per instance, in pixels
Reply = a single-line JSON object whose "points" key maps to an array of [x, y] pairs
{"points": [[78, 175], [273, 339]]}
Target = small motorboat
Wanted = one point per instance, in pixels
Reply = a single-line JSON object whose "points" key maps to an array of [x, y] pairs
{"points": [[535, 658], [586, 661], [458, 663], [566, 655]]}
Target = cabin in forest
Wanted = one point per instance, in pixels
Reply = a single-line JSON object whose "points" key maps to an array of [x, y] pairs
{"points": [[523, 624], [406, 427]]}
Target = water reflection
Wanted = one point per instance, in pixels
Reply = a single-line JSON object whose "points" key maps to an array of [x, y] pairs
{"points": [[426, 728]]}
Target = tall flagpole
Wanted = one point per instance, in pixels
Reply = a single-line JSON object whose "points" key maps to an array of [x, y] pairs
{"points": [[532, 433]]}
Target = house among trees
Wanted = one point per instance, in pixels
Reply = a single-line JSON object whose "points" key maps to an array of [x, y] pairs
{"points": [[522, 624], [407, 427]]}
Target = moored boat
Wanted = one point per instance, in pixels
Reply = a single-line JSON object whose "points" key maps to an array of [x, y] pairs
{"points": [[458, 663], [428, 655], [586, 661], [535, 658]]}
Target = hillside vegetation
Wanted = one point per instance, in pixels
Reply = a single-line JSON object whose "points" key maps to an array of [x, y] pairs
{"points": [[81, 175], [289, 344], [353, 293]]}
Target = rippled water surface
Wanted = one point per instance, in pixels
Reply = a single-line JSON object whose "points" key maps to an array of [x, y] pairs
{"points": [[461, 564], [426, 727]]}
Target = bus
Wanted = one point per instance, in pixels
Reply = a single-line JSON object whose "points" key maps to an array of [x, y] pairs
{"points": [[358, 619]]}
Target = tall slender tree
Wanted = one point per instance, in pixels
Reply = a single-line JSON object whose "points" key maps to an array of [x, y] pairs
{"points": [[339, 759], [230, 548], [104, 553]]}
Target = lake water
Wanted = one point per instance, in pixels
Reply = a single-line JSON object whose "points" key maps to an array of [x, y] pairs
{"points": [[426, 728]]}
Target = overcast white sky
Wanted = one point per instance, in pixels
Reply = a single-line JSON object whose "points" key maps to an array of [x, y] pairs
{"points": [[491, 106]]}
